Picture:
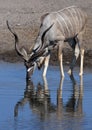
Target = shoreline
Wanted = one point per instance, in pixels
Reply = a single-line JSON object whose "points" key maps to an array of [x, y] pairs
{"points": [[12, 57]]}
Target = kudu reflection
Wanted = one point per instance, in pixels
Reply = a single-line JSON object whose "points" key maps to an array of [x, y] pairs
{"points": [[40, 99], [74, 104]]}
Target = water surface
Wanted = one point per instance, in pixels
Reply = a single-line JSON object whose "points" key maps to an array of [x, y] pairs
{"points": [[44, 104]]}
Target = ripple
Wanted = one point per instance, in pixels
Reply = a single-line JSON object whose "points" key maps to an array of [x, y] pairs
{"points": [[44, 103]]}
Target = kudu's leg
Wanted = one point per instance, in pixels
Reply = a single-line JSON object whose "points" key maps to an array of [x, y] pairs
{"points": [[76, 49], [81, 62], [80, 37], [60, 57], [46, 63]]}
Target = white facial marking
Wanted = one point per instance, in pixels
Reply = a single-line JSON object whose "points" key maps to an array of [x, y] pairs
{"points": [[29, 69]]}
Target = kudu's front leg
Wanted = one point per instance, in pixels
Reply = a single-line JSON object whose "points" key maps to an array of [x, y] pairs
{"points": [[60, 57], [46, 63]]}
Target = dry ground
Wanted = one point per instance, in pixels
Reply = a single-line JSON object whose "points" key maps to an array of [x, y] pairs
{"points": [[24, 17]]}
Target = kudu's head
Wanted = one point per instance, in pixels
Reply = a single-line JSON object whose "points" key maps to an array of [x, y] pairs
{"points": [[32, 59]]}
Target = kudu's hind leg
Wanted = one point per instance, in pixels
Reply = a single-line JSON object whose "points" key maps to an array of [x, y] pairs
{"points": [[80, 40], [76, 48], [81, 62]]}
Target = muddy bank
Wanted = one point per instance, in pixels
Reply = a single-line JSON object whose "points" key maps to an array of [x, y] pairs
{"points": [[24, 16], [11, 56]]}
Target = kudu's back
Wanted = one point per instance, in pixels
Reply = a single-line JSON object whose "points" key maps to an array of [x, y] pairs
{"points": [[68, 21]]}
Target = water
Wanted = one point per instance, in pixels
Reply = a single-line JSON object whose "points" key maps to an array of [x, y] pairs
{"points": [[44, 104]]}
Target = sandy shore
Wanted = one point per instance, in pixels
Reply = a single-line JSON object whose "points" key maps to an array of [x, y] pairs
{"points": [[24, 17]]}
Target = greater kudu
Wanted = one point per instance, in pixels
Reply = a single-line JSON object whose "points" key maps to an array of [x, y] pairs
{"points": [[66, 25]]}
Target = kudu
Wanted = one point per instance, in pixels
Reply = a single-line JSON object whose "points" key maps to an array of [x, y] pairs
{"points": [[66, 25]]}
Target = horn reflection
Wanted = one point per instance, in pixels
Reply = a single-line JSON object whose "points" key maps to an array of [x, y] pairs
{"points": [[39, 99]]}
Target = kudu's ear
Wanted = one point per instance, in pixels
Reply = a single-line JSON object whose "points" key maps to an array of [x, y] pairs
{"points": [[24, 54], [21, 52]]}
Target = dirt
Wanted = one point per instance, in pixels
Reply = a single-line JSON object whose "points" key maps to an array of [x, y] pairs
{"points": [[24, 16]]}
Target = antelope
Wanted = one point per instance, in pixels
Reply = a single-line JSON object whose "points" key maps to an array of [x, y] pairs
{"points": [[57, 28]]}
